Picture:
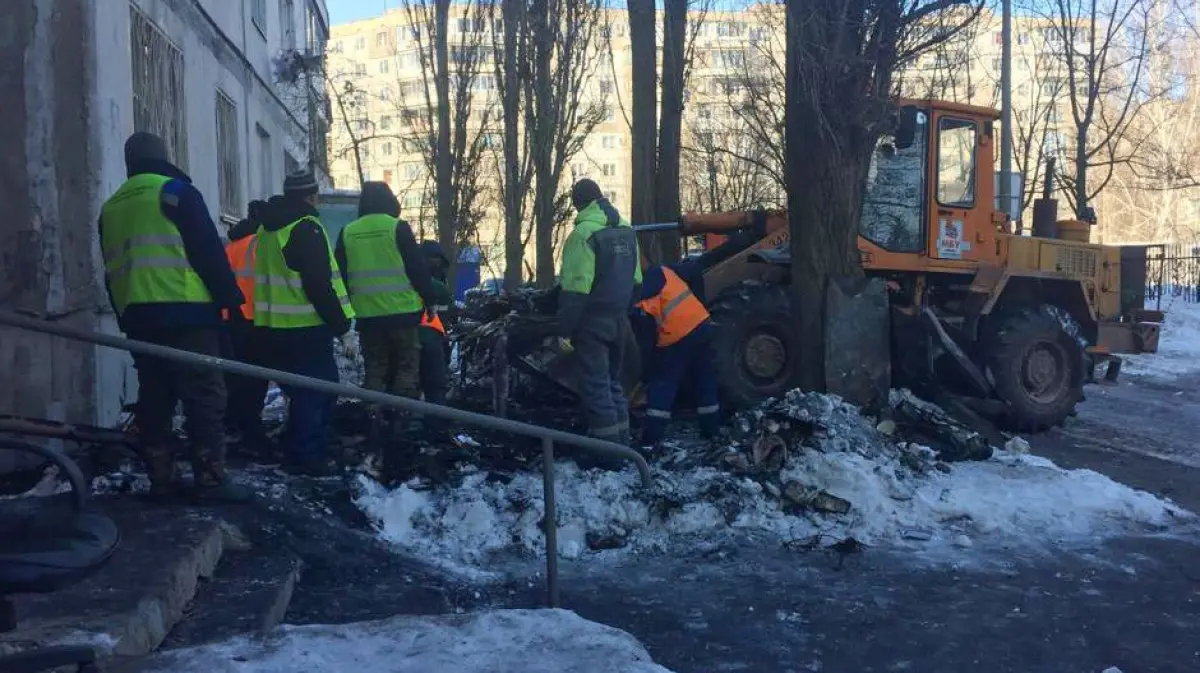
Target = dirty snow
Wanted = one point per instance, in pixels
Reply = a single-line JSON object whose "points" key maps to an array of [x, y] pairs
{"points": [[898, 495], [504, 641], [1178, 347]]}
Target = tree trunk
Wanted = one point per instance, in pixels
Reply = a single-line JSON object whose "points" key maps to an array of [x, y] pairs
{"points": [[1081, 170], [543, 142], [514, 251], [443, 155], [670, 129], [825, 182], [643, 54]]}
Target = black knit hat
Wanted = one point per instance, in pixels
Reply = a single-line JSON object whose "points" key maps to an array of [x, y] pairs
{"points": [[142, 146], [584, 192], [300, 183]]}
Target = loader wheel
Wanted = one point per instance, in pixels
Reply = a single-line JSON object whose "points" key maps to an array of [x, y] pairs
{"points": [[755, 342], [1036, 369]]}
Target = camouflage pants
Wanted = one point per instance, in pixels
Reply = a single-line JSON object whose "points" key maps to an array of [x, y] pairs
{"points": [[161, 385], [392, 359]]}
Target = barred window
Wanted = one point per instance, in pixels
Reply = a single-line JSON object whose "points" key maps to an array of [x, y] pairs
{"points": [[158, 86], [228, 177]]}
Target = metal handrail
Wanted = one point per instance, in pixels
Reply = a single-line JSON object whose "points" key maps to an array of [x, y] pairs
{"points": [[547, 435]]}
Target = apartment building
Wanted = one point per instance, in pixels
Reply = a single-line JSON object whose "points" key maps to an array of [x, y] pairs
{"points": [[734, 101], [204, 75]]}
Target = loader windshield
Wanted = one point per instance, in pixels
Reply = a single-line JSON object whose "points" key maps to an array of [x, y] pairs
{"points": [[893, 200]]}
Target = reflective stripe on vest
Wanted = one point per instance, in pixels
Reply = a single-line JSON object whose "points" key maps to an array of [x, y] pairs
{"points": [[435, 322], [675, 309], [279, 298], [378, 283], [241, 260], [144, 258]]}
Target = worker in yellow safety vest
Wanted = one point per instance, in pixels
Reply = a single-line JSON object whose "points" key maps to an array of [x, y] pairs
{"points": [[389, 286], [168, 281], [301, 305], [671, 324]]}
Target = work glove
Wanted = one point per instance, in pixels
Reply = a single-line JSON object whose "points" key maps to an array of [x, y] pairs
{"points": [[349, 343]]}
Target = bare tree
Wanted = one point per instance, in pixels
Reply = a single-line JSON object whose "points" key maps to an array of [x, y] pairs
{"points": [[562, 43], [716, 180], [1105, 49], [446, 116], [517, 174], [841, 58]]}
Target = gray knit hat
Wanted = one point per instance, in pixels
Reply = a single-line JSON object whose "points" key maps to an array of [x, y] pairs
{"points": [[300, 183]]}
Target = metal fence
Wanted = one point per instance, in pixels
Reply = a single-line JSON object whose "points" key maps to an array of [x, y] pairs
{"points": [[1172, 272], [547, 435]]}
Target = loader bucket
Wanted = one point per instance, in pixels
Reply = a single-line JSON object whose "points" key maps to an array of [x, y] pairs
{"points": [[857, 337]]}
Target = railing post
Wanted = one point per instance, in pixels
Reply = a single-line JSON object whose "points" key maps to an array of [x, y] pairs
{"points": [[551, 521]]}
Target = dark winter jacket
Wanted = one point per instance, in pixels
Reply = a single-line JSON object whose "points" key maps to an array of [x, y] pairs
{"points": [[184, 206], [250, 224], [383, 202], [307, 253]]}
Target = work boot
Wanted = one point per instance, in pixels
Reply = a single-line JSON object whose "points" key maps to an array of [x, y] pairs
{"points": [[160, 468], [212, 484]]}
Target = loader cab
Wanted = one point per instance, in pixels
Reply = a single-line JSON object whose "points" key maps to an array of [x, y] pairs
{"points": [[928, 201]]}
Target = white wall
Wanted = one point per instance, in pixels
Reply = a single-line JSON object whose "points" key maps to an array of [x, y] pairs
{"points": [[213, 36]]}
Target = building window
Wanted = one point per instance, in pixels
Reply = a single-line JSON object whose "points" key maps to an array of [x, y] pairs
{"points": [[383, 66], [606, 86], [412, 171], [609, 170], [387, 149], [229, 182], [287, 21], [266, 180], [360, 43], [362, 125], [385, 122], [492, 141], [158, 100], [387, 177], [316, 33], [610, 114], [290, 163], [258, 16], [609, 142], [381, 39]]}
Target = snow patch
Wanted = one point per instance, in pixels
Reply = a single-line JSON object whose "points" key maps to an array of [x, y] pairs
{"points": [[897, 495], [505, 641], [1178, 347]]}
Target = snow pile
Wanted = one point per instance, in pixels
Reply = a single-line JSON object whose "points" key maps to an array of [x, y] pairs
{"points": [[509, 641], [1178, 347], [827, 475]]}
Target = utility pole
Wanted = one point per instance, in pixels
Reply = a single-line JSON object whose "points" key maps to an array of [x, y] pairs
{"points": [[1006, 195]]}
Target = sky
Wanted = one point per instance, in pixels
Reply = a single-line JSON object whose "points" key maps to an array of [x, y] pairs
{"points": [[341, 11]]}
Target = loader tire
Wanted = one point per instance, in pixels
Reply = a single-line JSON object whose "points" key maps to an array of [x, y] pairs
{"points": [[756, 343], [1036, 368]]}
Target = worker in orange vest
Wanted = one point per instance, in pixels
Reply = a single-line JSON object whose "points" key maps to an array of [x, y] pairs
{"points": [[435, 347], [244, 403], [672, 327]]}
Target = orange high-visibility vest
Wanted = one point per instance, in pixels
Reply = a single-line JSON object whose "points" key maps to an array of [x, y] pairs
{"points": [[676, 310], [241, 260], [435, 323]]}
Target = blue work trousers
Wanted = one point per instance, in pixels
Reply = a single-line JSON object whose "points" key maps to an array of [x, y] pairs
{"points": [[687, 362]]}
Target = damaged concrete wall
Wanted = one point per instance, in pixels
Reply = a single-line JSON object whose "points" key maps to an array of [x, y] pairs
{"points": [[47, 188]]}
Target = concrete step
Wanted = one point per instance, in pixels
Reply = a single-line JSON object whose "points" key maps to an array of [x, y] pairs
{"points": [[129, 606], [248, 594]]}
